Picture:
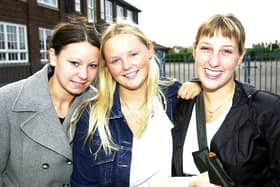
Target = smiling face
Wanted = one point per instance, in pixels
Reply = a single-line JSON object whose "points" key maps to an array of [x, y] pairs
{"points": [[216, 59], [75, 67], [127, 59]]}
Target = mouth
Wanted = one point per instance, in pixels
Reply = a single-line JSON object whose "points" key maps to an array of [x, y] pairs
{"points": [[213, 74], [131, 75], [79, 84]]}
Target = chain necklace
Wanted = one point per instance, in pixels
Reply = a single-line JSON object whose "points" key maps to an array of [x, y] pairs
{"points": [[211, 113]]}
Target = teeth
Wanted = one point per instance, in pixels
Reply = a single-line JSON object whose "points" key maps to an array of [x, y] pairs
{"points": [[130, 74], [212, 73]]}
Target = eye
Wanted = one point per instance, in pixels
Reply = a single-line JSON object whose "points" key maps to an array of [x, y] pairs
{"points": [[204, 48], [114, 61], [74, 63], [93, 66], [134, 54], [226, 52]]}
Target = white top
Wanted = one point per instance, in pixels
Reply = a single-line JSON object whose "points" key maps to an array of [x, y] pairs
{"points": [[191, 143], [152, 153]]}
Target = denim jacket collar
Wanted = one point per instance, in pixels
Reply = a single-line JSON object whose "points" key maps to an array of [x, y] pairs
{"points": [[116, 111]]}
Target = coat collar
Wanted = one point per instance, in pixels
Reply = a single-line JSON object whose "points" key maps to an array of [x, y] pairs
{"points": [[41, 123], [239, 113]]}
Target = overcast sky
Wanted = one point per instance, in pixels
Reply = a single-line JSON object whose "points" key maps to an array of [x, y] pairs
{"points": [[175, 22]]}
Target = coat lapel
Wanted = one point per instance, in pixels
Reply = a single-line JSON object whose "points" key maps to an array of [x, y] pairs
{"points": [[40, 121]]}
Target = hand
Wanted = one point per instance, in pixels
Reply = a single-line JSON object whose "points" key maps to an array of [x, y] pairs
{"points": [[201, 180], [189, 90]]}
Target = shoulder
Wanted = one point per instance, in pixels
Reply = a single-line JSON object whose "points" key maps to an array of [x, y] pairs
{"points": [[169, 87], [12, 88], [264, 104]]}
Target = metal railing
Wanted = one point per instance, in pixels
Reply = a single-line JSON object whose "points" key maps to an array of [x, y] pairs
{"points": [[263, 74]]}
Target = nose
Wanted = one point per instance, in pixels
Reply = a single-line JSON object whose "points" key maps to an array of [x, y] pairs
{"points": [[214, 60], [83, 73], [126, 63]]}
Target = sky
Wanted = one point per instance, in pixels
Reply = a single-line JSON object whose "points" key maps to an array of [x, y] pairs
{"points": [[261, 19]]}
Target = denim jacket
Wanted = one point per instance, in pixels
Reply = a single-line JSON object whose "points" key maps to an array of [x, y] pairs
{"points": [[92, 168]]}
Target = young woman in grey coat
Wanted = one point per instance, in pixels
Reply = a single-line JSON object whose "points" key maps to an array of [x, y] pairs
{"points": [[34, 112]]}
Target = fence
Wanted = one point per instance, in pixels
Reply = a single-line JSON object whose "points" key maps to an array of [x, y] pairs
{"points": [[263, 74]]}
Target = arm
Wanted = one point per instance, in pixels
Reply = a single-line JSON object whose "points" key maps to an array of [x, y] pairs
{"points": [[272, 134], [4, 137]]}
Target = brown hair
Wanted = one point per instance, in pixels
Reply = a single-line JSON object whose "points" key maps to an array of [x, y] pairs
{"points": [[228, 25]]}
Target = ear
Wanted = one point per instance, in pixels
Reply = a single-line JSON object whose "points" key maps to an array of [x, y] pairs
{"points": [[240, 60], [151, 50], [52, 56], [193, 50]]}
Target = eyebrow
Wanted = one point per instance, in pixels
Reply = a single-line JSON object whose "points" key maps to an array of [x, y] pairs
{"points": [[226, 45]]}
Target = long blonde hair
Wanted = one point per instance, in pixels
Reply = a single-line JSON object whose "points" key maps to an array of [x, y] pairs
{"points": [[102, 104]]}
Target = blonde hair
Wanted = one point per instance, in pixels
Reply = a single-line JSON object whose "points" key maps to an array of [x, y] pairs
{"points": [[100, 110], [228, 25]]}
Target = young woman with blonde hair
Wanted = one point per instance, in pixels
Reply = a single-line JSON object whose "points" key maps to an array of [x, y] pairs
{"points": [[123, 137]]}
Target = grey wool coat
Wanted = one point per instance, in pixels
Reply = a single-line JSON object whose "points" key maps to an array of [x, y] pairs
{"points": [[34, 147]]}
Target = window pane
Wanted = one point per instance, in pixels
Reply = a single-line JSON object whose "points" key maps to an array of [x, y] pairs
{"points": [[2, 57], [23, 56], [22, 44], [77, 5], [2, 37], [12, 56], [12, 39]]}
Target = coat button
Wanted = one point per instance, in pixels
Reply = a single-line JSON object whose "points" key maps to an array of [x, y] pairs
{"points": [[45, 166], [69, 162], [65, 185]]}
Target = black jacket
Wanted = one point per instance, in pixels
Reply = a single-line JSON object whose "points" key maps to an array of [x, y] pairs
{"points": [[248, 141]]}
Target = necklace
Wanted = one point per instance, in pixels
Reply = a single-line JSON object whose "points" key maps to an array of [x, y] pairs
{"points": [[212, 113]]}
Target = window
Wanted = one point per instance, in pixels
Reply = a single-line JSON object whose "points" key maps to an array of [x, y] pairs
{"points": [[77, 5], [120, 12], [129, 15], [13, 43], [44, 35], [108, 11], [102, 9], [90, 5], [51, 3]]}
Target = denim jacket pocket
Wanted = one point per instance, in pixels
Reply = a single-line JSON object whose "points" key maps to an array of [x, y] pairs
{"points": [[103, 164]]}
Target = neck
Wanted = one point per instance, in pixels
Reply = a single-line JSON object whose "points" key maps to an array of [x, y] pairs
{"points": [[61, 100], [216, 102], [133, 97]]}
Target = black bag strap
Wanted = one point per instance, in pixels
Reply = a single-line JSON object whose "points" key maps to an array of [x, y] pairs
{"points": [[200, 121], [213, 165]]}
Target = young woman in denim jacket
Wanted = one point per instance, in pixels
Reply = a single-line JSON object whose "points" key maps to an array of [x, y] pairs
{"points": [[123, 137]]}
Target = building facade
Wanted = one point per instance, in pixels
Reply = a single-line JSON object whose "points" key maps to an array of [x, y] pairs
{"points": [[25, 26]]}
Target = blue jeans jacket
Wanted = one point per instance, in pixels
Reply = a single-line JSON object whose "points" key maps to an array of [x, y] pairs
{"points": [[91, 169]]}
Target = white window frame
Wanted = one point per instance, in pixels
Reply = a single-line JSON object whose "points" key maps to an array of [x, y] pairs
{"points": [[44, 35], [78, 5], [102, 9], [129, 15], [13, 45], [90, 10], [50, 3], [120, 12], [108, 11]]}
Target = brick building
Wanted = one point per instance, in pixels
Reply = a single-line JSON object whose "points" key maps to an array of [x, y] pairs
{"points": [[26, 24]]}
